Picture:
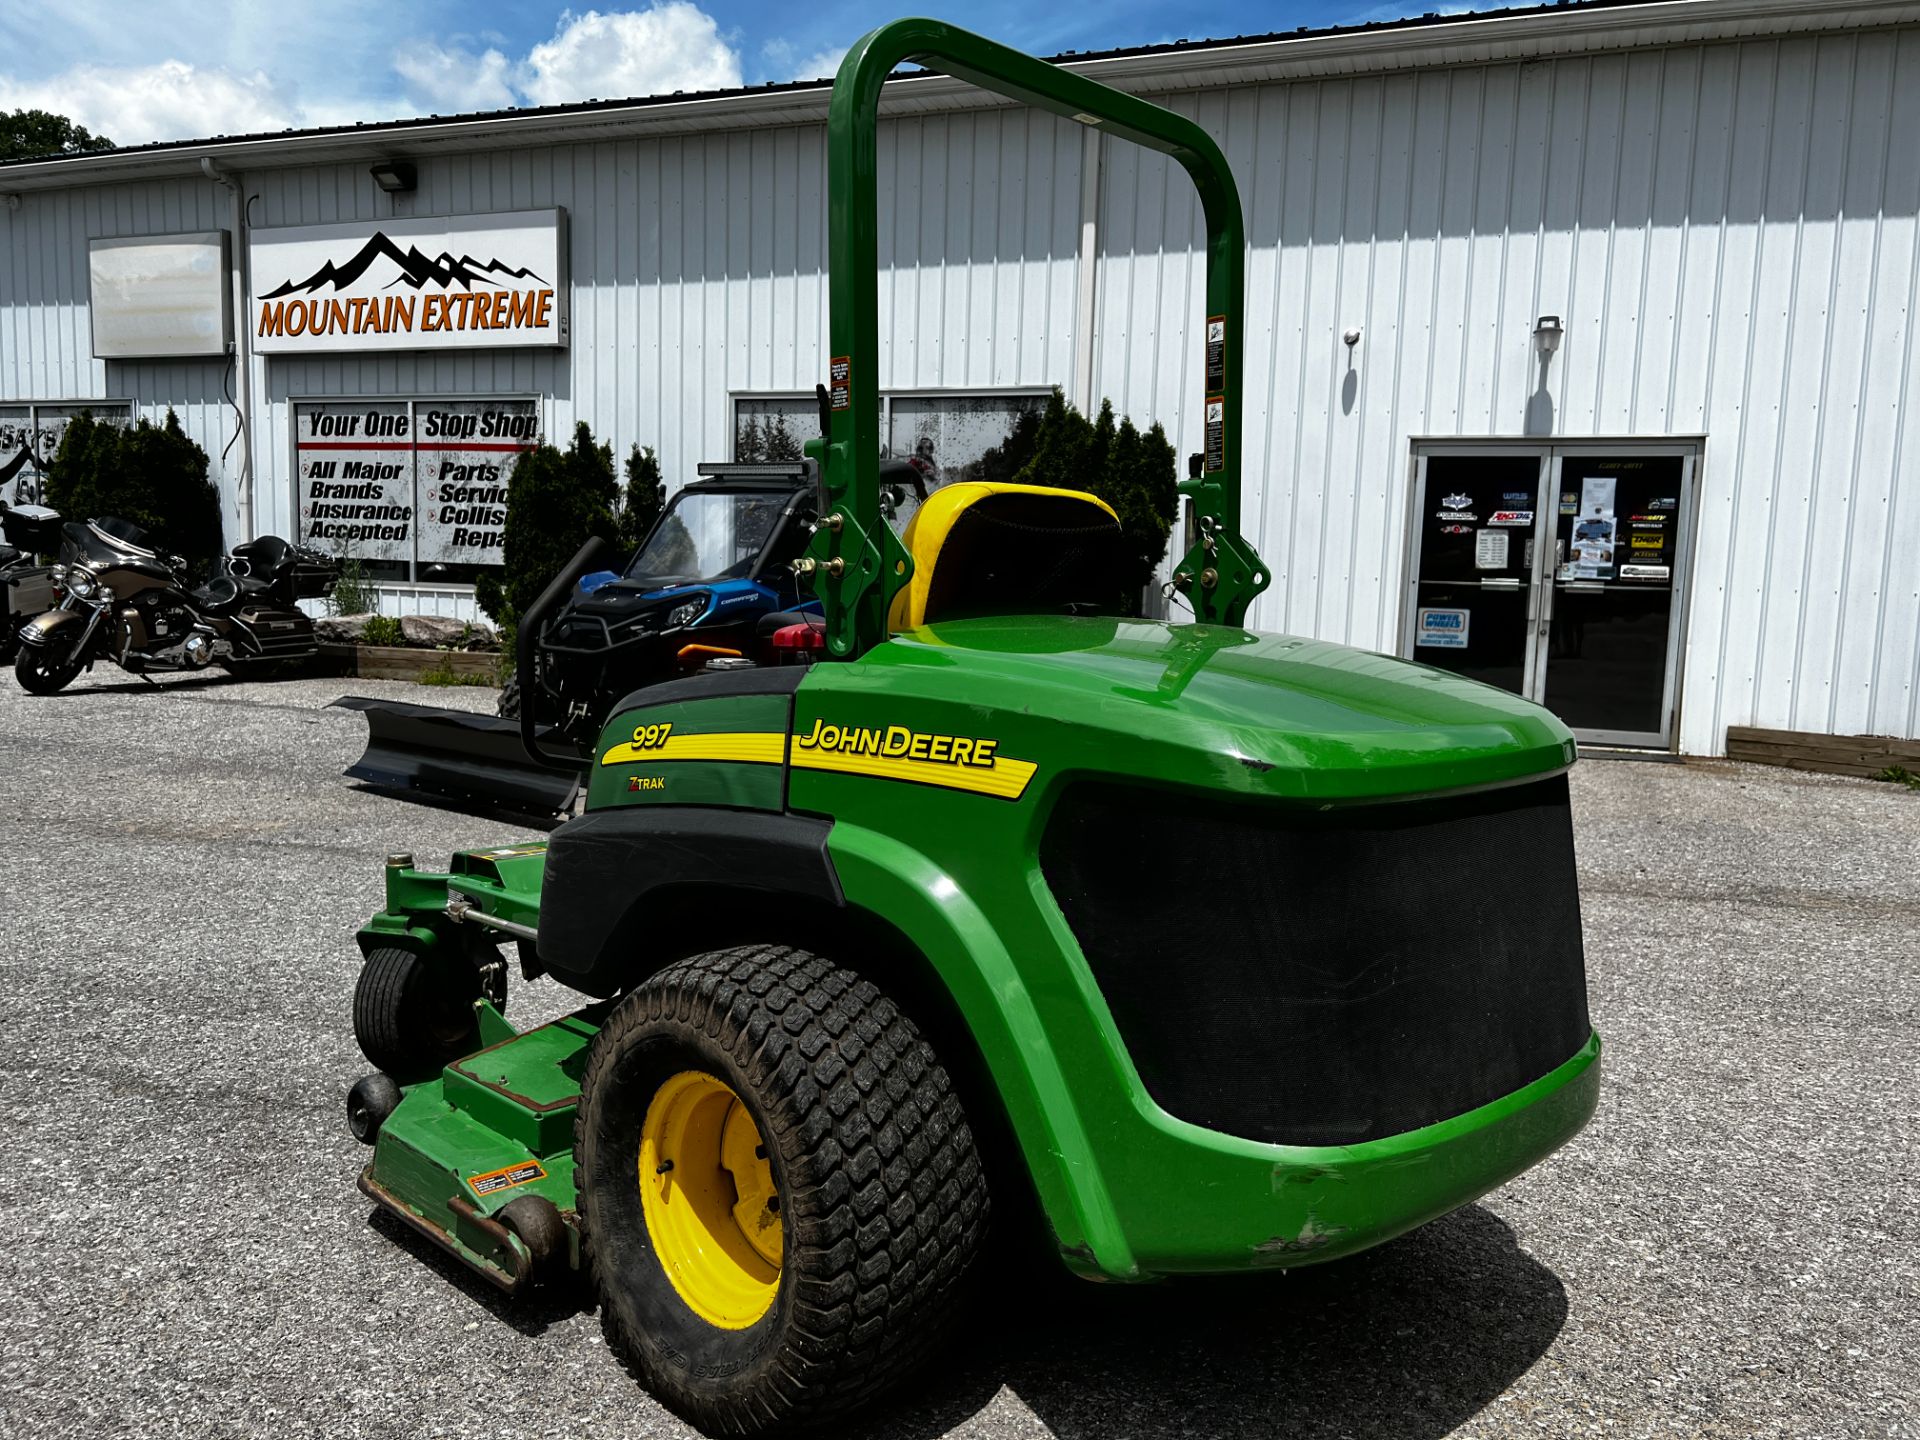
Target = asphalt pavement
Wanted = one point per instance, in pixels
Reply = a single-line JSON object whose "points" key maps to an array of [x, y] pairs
{"points": [[1732, 1248]]}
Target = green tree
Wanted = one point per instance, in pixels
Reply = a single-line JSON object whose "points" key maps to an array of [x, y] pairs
{"points": [[1014, 453], [152, 475], [79, 467], [1135, 473], [640, 506], [28, 134], [765, 440], [555, 500], [782, 445]]}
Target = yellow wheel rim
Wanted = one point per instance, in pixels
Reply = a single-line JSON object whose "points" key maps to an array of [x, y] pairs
{"points": [[707, 1193]]}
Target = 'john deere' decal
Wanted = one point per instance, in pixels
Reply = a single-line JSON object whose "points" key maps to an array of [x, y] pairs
{"points": [[893, 752], [884, 752]]}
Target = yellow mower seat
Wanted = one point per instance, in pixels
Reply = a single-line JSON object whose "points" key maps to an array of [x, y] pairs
{"points": [[991, 549]]}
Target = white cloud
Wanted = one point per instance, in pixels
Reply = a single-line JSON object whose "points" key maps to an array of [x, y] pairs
{"points": [[783, 62], [301, 68], [454, 80], [668, 47], [168, 101], [1414, 9]]}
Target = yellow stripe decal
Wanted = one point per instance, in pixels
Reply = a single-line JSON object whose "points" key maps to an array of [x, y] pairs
{"points": [[752, 747], [1000, 775], [1003, 777]]}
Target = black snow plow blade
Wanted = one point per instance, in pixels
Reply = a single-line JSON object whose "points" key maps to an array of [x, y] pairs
{"points": [[475, 762]]}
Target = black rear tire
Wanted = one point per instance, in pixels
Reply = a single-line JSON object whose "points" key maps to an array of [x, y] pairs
{"points": [[508, 705], [413, 1014], [881, 1197], [45, 669]]}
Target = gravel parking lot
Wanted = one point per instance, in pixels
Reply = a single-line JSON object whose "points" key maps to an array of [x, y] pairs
{"points": [[1731, 1249]]}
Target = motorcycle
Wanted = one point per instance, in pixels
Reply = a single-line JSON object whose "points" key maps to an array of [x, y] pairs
{"points": [[126, 602], [29, 532]]}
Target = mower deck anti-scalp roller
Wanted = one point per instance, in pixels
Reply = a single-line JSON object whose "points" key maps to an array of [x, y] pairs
{"points": [[1183, 948]]}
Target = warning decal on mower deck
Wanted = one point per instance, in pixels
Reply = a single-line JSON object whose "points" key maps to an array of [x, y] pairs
{"points": [[507, 1177]]}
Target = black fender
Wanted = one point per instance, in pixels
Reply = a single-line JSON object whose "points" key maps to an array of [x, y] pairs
{"points": [[613, 876]]}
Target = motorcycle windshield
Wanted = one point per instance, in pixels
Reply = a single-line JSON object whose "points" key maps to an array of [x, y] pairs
{"points": [[109, 540], [708, 535]]}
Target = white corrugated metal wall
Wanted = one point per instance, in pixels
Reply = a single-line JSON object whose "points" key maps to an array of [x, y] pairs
{"points": [[1728, 231], [46, 343], [1729, 234], [698, 272]]}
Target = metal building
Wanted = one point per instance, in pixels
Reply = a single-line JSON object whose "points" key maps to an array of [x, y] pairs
{"points": [[1580, 352]]}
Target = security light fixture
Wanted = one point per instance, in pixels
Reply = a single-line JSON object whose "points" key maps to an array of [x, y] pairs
{"points": [[1546, 335], [396, 177]]}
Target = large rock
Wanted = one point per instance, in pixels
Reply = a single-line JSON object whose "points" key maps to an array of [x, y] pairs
{"points": [[340, 629], [434, 631]]}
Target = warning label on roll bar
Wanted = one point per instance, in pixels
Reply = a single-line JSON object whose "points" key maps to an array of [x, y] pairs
{"points": [[1216, 354], [1216, 432]]}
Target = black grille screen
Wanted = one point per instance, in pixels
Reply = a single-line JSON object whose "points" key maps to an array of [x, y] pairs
{"points": [[1325, 977]]}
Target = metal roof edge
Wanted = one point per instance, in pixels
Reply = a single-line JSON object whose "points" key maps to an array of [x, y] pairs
{"points": [[1426, 42]]}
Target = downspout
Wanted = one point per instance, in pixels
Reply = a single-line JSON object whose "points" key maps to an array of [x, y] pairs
{"points": [[243, 334], [1086, 299]]}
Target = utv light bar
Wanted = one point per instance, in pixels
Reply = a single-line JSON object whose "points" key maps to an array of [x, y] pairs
{"points": [[795, 470]]}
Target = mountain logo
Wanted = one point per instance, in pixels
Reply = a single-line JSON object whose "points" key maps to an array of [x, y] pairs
{"points": [[416, 270]]}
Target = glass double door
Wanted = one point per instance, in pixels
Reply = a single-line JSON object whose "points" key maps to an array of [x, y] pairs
{"points": [[1556, 573]]}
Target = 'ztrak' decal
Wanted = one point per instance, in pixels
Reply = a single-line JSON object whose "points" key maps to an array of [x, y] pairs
{"points": [[883, 752]]}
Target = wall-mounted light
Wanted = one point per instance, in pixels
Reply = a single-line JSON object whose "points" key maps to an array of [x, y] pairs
{"points": [[1546, 335], [396, 177], [1352, 337], [14, 202]]}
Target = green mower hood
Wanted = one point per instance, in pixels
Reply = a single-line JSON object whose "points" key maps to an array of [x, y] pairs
{"points": [[1219, 707]]}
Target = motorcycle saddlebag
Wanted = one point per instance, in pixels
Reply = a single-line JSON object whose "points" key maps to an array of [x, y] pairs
{"points": [[30, 591], [32, 528], [272, 634]]}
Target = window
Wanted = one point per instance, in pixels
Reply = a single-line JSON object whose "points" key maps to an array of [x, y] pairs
{"points": [[415, 490], [709, 536], [30, 433], [951, 429]]}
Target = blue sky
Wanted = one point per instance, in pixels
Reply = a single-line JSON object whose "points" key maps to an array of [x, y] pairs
{"points": [[174, 69]]}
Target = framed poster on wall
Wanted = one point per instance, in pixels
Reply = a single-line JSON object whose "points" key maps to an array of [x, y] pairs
{"points": [[415, 490]]}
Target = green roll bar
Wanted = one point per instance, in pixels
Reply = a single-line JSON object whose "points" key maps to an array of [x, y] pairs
{"points": [[855, 562]]}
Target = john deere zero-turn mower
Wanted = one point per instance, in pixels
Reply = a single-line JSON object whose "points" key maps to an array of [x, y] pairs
{"points": [[1206, 950]]}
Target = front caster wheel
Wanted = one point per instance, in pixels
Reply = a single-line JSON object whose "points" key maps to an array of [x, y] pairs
{"points": [[778, 1186]]}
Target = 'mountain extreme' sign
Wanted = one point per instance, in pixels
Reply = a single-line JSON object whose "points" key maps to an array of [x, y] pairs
{"points": [[454, 282]]}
